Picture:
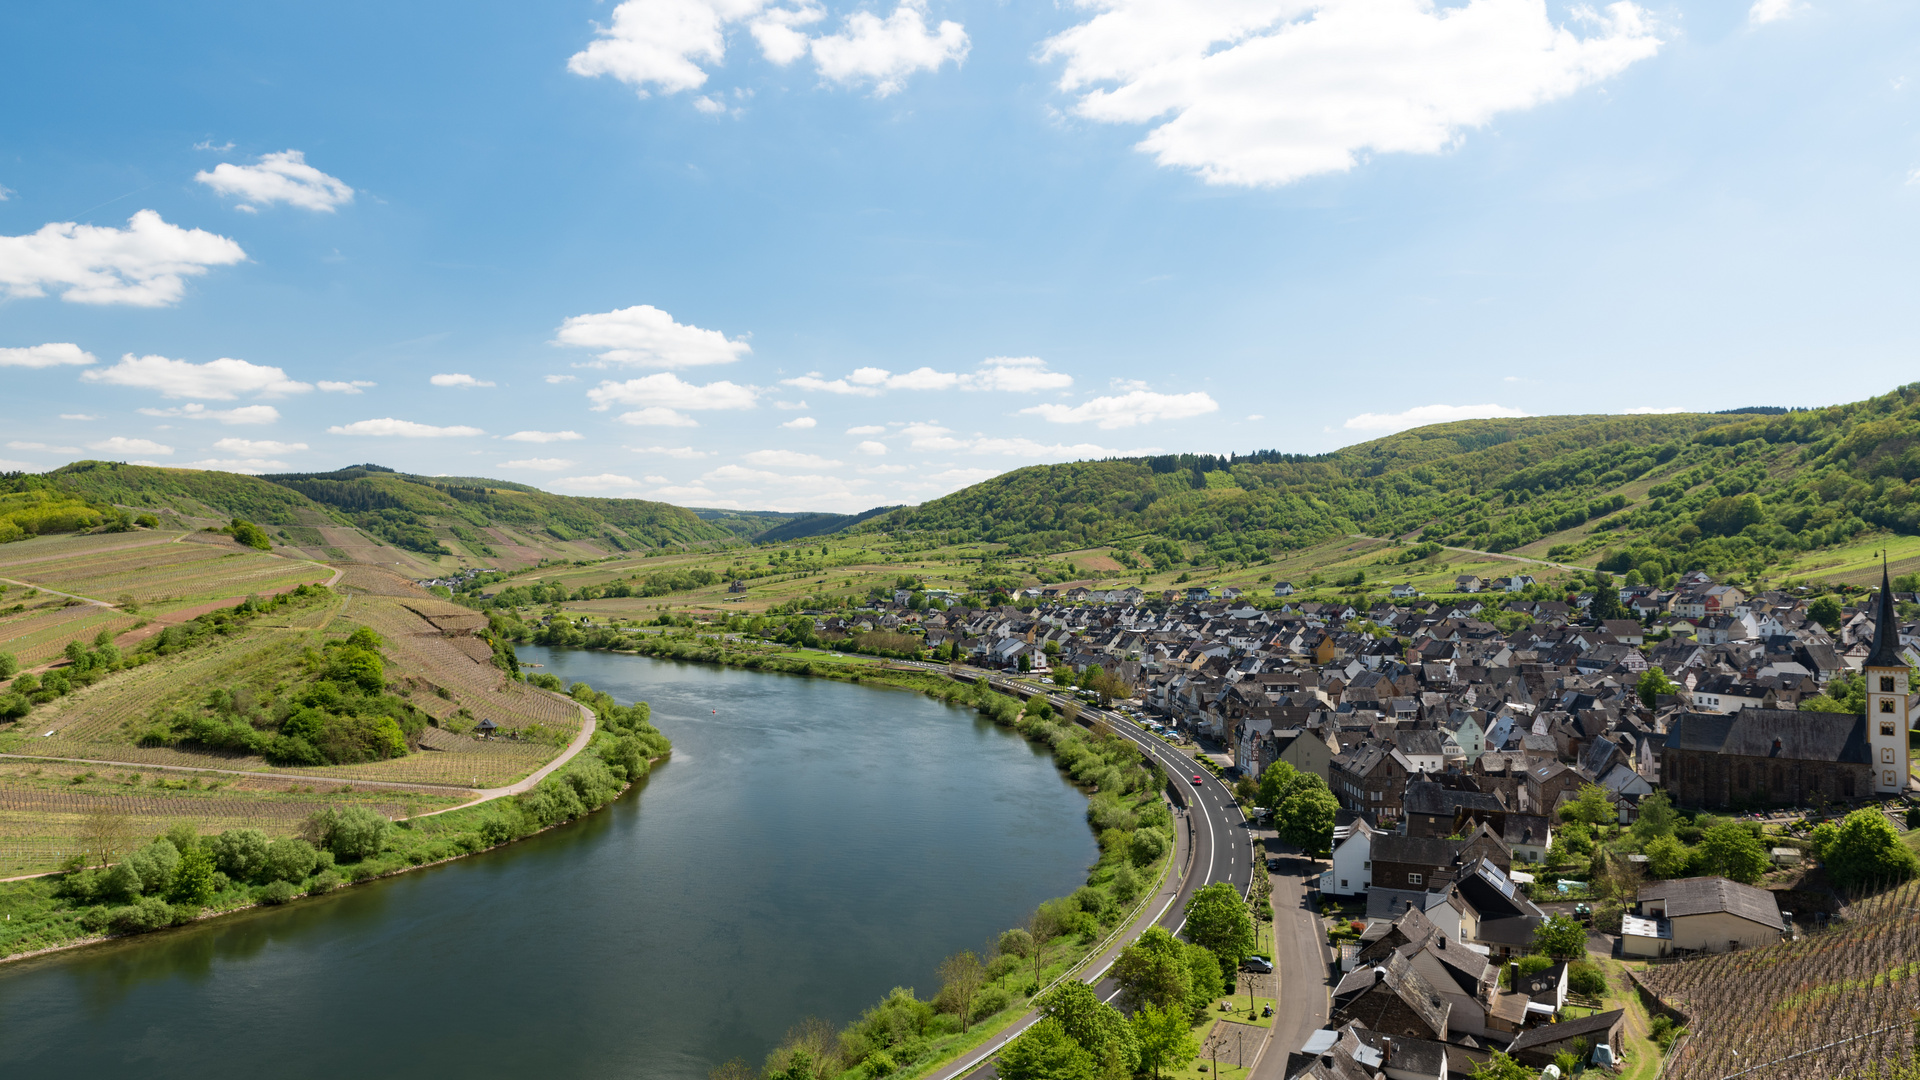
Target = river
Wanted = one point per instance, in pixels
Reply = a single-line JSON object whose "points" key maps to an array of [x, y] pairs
{"points": [[810, 845]]}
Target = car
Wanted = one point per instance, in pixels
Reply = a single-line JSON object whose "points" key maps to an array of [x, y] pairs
{"points": [[1258, 963], [1273, 865], [1197, 781]]}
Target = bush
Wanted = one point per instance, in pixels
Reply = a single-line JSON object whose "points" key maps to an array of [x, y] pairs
{"points": [[325, 882], [350, 833], [155, 863], [1146, 846], [1126, 884], [1587, 978], [291, 860], [194, 881], [989, 1001], [241, 854], [275, 892], [151, 913]]}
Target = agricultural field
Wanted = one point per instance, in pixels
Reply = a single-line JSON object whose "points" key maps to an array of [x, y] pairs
{"points": [[168, 573], [39, 634], [50, 810], [1848, 994]]}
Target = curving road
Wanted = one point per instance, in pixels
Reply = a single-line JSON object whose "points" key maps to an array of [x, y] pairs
{"points": [[1214, 844]]}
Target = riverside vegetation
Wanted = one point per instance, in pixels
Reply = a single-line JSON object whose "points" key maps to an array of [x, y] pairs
{"points": [[122, 886]]}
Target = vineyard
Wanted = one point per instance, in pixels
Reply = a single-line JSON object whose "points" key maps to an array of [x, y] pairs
{"points": [[39, 634], [162, 573], [1837, 1003], [45, 809]]}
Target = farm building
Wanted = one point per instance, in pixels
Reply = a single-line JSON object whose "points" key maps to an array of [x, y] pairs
{"points": [[1703, 914]]}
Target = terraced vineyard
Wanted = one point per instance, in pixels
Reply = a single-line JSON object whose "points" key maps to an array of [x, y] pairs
{"points": [[40, 633], [1840, 1003], [163, 573]]}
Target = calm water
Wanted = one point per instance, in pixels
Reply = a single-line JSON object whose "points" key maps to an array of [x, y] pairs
{"points": [[811, 845]]}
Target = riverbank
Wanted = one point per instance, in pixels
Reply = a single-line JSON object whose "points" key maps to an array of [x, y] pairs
{"points": [[69, 910]]}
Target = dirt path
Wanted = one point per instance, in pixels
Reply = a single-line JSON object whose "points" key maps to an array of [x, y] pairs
{"points": [[1489, 554]]}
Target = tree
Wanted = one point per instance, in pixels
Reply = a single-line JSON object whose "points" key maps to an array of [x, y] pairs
{"points": [[8, 665], [1208, 984], [1845, 694], [1305, 817], [192, 879], [1865, 851], [1729, 849], [1165, 1037], [1501, 1067], [1218, 921], [1275, 782], [1561, 938], [1591, 807], [1656, 817], [1606, 599], [736, 1069], [104, 834], [1153, 970], [352, 832], [1096, 1026], [241, 854], [1046, 1052], [1042, 927], [1825, 611], [1653, 683], [1666, 857], [961, 977]]}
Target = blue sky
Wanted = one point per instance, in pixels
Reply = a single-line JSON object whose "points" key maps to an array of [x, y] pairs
{"points": [[819, 255]]}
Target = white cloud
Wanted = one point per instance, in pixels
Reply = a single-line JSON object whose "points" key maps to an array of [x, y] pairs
{"points": [[1269, 91], [216, 380], [800, 423], [9, 465], [207, 144], [684, 453], [1018, 374], [872, 448], [651, 479], [868, 429], [924, 436], [354, 387], [245, 414], [885, 470], [787, 459], [601, 483], [1035, 451], [668, 391], [77, 416], [458, 380], [1654, 410], [694, 491], [1426, 414], [1766, 11], [251, 466], [257, 447], [662, 44], [545, 436], [5, 192], [52, 354], [18, 445], [645, 336], [1256, 416], [1126, 410], [959, 478], [556, 379], [709, 105], [120, 444], [656, 416], [539, 464], [284, 177], [740, 474], [886, 51], [388, 427], [790, 406], [142, 265]]}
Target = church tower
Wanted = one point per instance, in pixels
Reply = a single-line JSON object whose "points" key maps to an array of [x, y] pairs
{"points": [[1887, 702]]}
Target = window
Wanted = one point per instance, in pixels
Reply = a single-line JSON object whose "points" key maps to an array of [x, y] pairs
{"points": [[1366, 865], [1886, 704], [1886, 684], [1343, 883], [1416, 879], [1886, 777], [1886, 727]]}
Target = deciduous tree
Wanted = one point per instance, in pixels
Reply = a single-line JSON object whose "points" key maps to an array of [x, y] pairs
{"points": [[1217, 920]]}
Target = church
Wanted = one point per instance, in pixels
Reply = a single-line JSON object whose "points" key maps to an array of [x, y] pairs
{"points": [[1783, 756]]}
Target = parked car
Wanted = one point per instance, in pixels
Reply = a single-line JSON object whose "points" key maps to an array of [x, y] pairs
{"points": [[1258, 963]]}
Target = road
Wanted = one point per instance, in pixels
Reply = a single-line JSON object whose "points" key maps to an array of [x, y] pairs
{"points": [[1219, 840]]}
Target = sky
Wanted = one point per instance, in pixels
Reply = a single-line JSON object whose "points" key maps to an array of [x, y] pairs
{"points": [[821, 255]]}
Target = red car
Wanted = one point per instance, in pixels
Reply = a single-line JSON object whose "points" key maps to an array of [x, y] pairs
{"points": [[1197, 781]]}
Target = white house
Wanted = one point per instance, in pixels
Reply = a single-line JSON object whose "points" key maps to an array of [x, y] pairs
{"points": [[1352, 870]]}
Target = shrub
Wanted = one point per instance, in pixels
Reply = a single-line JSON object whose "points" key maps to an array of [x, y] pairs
{"points": [[241, 854], [350, 833], [325, 882], [1587, 978], [989, 1001], [1146, 846], [275, 892], [1126, 884], [291, 860], [120, 883], [194, 880], [155, 863], [150, 913]]}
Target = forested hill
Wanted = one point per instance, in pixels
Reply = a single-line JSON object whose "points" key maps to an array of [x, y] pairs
{"points": [[1741, 489]]}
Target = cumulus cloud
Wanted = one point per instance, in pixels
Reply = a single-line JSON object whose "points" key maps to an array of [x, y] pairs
{"points": [[1426, 414], [52, 354], [458, 380], [959, 478], [684, 453], [868, 429], [787, 459], [245, 414], [354, 387], [253, 448], [216, 380], [662, 45], [545, 436], [602, 482], [145, 264], [284, 177], [250, 466], [555, 379], [872, 448], [1019, 374], [388, 427], [1270, 91], [78, 416], [539, 464], [17, 444], [1766, 11], [885, 52], [645, 336], [1654, 410], [800, 423], [120, 444], [1126, 410], [656, 416], [667, 390]]}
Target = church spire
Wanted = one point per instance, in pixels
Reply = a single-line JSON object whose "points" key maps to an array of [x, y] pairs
{"points": [[1886, 628]]}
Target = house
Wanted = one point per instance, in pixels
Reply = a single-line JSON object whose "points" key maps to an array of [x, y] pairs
{"points": [[1352, 871], [1546, 989], [1703, 914], [1411, 862], [1283, 588], [1466, 583], [1392, 998], [1403, 592], [1536, 1047]]}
